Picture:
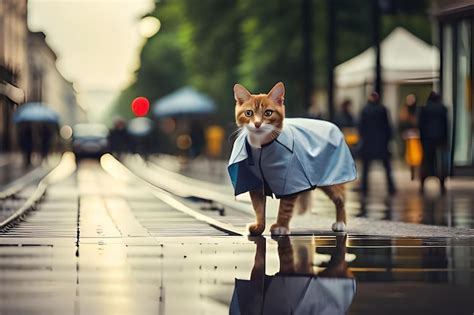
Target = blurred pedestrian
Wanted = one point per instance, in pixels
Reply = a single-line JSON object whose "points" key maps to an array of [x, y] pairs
{"points": [[409, 142], [47, 135], [345, 118], [314, 112], [346, 122], [140, 136], [118, 138], [433, 124], [375, 133], [198, 138], [25, 141], [408, 114], [407, 120]]}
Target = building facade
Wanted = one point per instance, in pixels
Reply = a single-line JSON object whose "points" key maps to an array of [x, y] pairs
{"points": [[14, 74], [47, 83], [456, 40], [28, 72]]}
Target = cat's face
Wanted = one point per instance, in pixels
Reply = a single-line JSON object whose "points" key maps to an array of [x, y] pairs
{"points": [[262, 115]]}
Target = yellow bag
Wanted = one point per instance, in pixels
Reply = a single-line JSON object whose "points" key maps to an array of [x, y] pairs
{"points": [[413, 148], [351, 136]]}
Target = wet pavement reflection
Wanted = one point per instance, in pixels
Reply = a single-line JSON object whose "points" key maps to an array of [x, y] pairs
{"points": [[453, 209], [217, 275], [93, 247], [296, 288]]}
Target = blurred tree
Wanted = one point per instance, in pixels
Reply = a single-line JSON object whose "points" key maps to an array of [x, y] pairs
{"points": [[353, 30], [162, 67], [271, 50], [212, 44]]}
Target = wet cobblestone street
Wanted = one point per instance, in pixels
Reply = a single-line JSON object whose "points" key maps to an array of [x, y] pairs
{"points": [[95, 248]]}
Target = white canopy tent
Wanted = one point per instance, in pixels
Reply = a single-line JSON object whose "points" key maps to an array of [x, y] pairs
{"points": [[405, 60]]}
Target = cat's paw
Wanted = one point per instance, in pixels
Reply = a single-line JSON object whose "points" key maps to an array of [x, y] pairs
{"points": [[276, 229], [255, 229], [338, 226]]}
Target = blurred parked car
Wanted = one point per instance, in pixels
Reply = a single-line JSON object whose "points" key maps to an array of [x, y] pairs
{"points": [[90, 140]]}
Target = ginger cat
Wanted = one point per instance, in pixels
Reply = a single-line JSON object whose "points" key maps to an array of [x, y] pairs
{"points": [[262, 116]]}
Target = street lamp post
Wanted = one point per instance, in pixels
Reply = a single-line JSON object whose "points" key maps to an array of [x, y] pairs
{"points": [[376, 42], [307, 28], [331, 51]]}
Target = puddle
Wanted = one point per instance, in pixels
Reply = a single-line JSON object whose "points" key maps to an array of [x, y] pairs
{"points": [[218, 275]]}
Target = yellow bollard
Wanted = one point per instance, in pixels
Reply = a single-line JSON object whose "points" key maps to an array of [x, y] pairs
{"points": [[214, 140]]}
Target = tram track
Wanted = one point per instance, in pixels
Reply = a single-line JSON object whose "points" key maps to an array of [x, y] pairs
{"points": [[83, 204], [118, 169], [317, 223], [36, 191], [189, 188], [14, 188]]}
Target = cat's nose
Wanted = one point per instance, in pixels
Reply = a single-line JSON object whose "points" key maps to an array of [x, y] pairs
{"points": [[258, 124]]}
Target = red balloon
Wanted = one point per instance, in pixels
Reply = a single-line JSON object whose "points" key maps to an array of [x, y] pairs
{"points": [[140, 106]]}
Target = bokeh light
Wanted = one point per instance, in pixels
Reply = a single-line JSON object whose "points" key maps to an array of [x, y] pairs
{"points": [[65, 132], [149, 26], [140, 106], [183, 142], [168, 125]]}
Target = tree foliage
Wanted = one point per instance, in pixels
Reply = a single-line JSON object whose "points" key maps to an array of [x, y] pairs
{"points": [[162, 67], [212, 44]]}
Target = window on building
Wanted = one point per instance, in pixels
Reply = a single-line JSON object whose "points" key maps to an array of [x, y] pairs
{"points": [[448, 65], [463, 145]]}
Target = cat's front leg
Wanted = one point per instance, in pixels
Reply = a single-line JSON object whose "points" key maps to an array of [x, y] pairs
{"points": [[336, 194], [258, 203], [285, 212]]}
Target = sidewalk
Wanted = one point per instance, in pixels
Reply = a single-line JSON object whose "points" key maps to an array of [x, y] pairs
{"points": [[13, 170], [455, 209]]}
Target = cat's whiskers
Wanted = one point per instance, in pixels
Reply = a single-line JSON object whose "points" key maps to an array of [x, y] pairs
{"points": [[236, 133]]}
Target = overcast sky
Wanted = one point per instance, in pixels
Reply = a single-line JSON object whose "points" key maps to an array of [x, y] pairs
{"points": [[97, 43]]}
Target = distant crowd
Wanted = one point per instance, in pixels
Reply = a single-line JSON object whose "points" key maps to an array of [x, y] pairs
{"points": [[423, 134], [422, 138]]}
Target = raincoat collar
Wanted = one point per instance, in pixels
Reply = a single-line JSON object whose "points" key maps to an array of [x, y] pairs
{"points": [[286, 139]]}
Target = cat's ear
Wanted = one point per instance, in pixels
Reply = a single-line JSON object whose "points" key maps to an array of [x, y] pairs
{"points": [[277, 93], [241, 94]]}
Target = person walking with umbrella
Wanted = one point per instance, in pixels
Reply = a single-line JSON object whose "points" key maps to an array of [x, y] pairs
{"points": [[46, 121], [375, 133], [25, 141]]}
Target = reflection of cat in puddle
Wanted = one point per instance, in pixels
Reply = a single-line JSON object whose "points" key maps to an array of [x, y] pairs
{"points": [[295, 289]]}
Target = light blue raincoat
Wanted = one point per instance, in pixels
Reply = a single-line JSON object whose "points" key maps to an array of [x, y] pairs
{"points": [[299, 295], [308, 153]]}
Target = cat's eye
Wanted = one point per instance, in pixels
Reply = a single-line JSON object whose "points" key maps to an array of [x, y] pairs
{"points": [[268, 113], [248, 113]]}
